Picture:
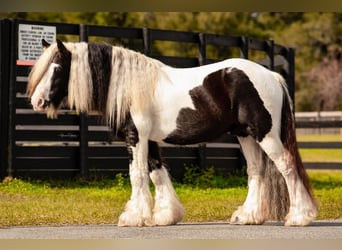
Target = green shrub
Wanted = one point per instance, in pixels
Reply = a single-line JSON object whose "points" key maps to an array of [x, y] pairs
{"points": [[208, 178]]}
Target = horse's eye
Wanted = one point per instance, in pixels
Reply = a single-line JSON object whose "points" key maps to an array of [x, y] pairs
{"points": [[59, 68]]}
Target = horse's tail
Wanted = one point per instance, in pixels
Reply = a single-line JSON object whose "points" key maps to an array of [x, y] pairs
{"points": [[275, 186]]}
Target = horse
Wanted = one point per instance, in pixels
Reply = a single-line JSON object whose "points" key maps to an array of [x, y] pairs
{"points": [[147, 102]]}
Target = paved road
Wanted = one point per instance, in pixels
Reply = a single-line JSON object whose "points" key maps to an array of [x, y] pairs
{"points": [[270, 230]]}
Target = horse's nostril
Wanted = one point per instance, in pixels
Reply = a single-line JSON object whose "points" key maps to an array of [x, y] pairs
{"points": [[40, 102]]}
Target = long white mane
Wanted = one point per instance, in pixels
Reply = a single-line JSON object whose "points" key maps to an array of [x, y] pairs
{"points": [[133, 79], [132, 83]]}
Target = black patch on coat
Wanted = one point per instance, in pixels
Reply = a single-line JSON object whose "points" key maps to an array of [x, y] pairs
{"points": [[227, 101], [100, 62], [60, 77], [154, 156], [129, 133]]}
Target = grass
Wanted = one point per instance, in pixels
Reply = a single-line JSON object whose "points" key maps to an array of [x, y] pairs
{"points": [[25, 202], [205, 197], [327, 187]]}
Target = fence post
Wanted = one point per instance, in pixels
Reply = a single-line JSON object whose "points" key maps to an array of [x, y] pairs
{"points": [[83, 124], [202, 53], [290, 57], [147, 41], [244, 47], [12, 94], [270, 53], [7, 102], [5, 65]]}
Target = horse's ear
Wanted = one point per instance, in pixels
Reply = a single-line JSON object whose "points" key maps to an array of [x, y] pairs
{"points": [[60, 45], [45, 44]]}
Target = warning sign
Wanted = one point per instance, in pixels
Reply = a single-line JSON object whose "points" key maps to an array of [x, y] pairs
{"points": [[30, 40]]}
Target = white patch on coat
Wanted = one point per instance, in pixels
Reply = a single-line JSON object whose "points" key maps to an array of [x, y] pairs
{"points": [[42, 90]]}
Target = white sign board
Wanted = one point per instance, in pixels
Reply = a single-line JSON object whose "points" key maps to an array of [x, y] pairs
{"points": [[30, 40]]}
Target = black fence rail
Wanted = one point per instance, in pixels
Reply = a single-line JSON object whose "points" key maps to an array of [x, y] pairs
{"points": [[78, 145], [319, 144]]}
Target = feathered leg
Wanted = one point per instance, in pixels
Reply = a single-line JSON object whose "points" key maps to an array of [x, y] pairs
{"points": [[253, 209], [302, 206], [167, 208], [138, 210]]}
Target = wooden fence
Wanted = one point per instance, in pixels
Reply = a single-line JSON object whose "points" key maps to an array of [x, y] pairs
{"points": [[35, 147], [321, 123]]}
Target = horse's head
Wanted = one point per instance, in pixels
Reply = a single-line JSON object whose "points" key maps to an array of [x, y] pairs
{"points": [[48, 81]]}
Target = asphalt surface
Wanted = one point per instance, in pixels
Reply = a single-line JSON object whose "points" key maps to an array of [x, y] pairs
{"points": [[270, 230]]}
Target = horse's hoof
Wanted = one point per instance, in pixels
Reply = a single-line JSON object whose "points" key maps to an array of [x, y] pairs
{"points": [[298, 220], [300, 217], [241, 217], [166, 217], [126, 220]]}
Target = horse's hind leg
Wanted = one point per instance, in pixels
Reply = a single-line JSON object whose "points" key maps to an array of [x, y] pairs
{"points": [[167, 208], [252, 211], [302, 206]]}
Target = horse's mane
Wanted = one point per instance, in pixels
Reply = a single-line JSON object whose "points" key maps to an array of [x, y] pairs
{"points": [[133, 79], [132, 84]]}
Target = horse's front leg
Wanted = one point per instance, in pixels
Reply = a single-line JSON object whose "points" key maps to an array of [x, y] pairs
{"points": [[138, 210], [167, 209]]}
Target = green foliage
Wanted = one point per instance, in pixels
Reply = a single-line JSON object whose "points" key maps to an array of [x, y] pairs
{"points": [[121, 182], [198, 177], [208, 178]]}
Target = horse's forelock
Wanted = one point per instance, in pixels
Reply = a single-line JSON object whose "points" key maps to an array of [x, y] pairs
{"points": [[80, 89], [39, 69]]}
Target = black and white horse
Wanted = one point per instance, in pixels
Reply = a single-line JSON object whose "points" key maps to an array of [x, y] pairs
{"points": [[146, 101]]}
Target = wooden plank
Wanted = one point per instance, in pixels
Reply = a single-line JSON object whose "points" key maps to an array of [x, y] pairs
{"points": [[32, 118], [108, 164], [224, 167], [41, 135], [318, 124], [280, 50], [23, 70], [323, 165], [108, 31], [256, 44], [222, 40], [47, 173], [179, 152], [109, 151], [20, 87], [108, 173], [23, 103], [46, 164], [325, 145], [45, 151]]}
